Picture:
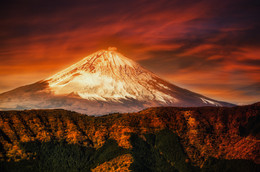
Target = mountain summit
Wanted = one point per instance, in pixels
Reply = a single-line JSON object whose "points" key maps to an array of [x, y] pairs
{"points": [[109, 76], [103, 82]]}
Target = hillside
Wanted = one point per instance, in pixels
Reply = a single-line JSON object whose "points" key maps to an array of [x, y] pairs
{"points": [[155, 139]]}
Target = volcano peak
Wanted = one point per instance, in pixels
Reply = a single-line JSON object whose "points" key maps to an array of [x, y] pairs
{"points": [[112, 49], [104, 82]]}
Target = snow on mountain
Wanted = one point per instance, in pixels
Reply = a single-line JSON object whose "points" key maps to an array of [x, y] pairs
{"points": [[103, 82], [108, 75]]}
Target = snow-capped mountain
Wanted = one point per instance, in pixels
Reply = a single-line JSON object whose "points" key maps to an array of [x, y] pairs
{"points": [[103, 82]]}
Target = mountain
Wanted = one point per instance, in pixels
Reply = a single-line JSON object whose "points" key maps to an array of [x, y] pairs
{"points": [[103, 82], [207, 139]]}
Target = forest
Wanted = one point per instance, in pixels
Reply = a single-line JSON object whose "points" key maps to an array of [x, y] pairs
{"points": [[155, 139]]}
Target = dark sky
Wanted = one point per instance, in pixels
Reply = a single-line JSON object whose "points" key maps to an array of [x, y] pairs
{"points": [[208, 46]]}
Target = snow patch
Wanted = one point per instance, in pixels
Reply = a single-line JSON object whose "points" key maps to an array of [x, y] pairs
{"points": [[206, 101], [163, 86]]}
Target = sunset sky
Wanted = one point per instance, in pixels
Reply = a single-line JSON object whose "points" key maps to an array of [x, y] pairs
{"points": [[208, 46]]}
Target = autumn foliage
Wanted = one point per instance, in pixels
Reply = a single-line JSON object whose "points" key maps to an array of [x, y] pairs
{"points": [[204, 133]]}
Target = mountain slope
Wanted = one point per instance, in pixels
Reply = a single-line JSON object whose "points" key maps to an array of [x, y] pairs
{"points": [[168, 138], [103, 82]]}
